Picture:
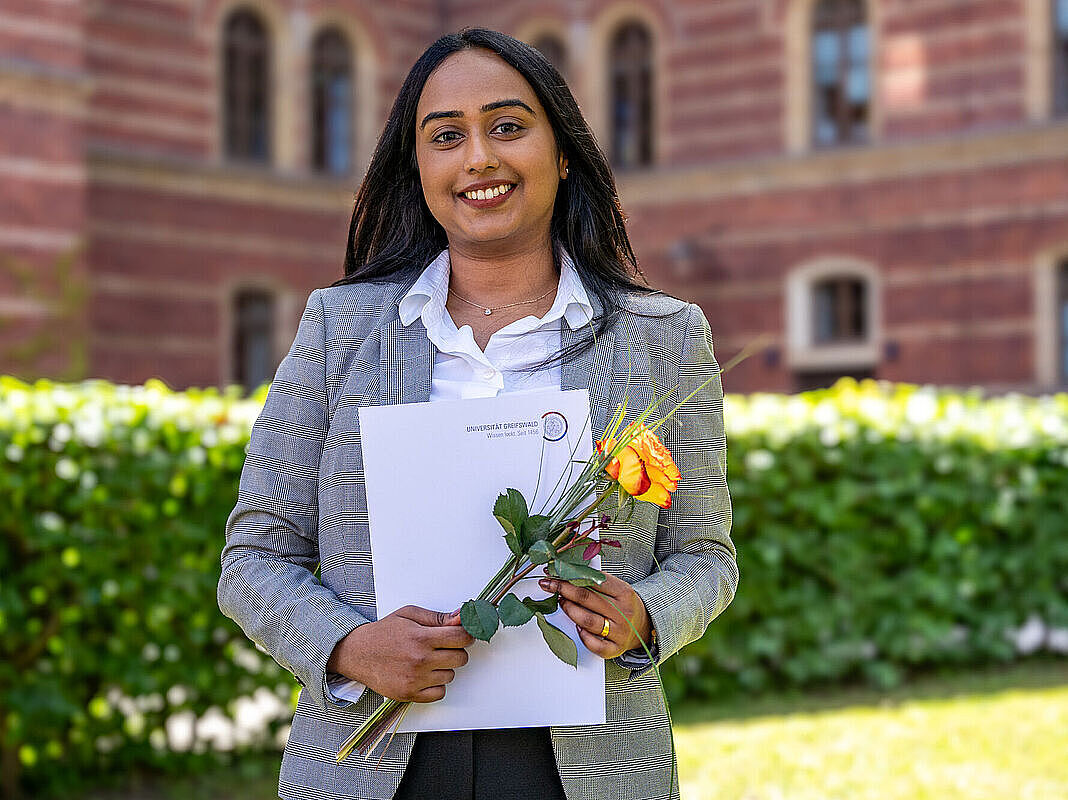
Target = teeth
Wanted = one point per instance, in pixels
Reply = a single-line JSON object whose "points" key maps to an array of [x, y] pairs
{"points": [[488, 194]]}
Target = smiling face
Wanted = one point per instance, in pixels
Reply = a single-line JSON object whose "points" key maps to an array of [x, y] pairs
{"points": [[488, 161]]}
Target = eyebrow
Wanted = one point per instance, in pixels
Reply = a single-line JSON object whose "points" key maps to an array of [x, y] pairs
{"points": [[512, 101]]}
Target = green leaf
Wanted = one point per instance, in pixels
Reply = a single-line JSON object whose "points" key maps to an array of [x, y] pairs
{"points": [[511, 536], [579, 574], [546, 605], [541, 552], [513, 612], [560, 643], [535, 527], [511, 506], [479, 618]]}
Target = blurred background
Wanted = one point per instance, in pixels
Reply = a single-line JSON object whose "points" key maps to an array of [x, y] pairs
{"points": [[867, 188], [880, 186]]}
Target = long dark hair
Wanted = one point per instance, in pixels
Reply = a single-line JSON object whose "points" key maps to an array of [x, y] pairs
{"points": [[393, 236]]}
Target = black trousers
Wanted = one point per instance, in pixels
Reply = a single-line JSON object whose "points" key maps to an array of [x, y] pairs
{"points": [[508, 764]]}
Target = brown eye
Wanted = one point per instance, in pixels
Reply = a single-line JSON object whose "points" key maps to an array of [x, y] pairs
{"points": [[508, 128]]}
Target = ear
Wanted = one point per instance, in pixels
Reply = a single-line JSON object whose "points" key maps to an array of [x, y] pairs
{"points": [[562, 166]]}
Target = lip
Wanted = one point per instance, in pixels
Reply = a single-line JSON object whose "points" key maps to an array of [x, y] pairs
{"points": [[491, 202]]}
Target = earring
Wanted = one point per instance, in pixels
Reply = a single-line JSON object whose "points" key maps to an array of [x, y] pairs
{"points": [[565, 173]]}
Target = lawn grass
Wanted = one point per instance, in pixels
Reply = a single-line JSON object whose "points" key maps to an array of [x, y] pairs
{"points": [[993, 734]]}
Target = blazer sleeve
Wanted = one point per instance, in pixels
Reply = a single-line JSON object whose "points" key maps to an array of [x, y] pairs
{"points": [[267, 583], [698, 573]]}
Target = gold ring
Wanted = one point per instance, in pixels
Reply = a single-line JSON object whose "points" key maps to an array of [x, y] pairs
{"points": [[607, 627]]}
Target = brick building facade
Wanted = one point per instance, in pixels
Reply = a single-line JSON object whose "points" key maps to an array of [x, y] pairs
{"points": [[867, 187]]}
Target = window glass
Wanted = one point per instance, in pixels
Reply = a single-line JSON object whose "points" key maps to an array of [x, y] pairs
{"points": [[246, 98], [1062, 319], [332, 103], [253, 338], [631, 103]]}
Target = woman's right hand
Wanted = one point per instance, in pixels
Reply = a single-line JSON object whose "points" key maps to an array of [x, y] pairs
{"points": [[409, 655]]}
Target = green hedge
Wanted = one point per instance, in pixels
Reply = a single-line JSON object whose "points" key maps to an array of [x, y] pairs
{"points": [[883, 529], [879, 529]]}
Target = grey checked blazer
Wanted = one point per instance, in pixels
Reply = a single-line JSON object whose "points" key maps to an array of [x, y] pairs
{"points": [[301, 505]]}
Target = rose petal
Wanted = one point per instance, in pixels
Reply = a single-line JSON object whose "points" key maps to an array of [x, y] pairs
{"points": [[657, 495], [631, 472]]}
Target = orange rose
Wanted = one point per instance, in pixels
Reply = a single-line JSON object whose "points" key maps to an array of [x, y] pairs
{"points": [[644, 468]]}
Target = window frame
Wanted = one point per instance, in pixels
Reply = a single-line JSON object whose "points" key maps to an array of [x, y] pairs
{"points": [[841, 24], [237, 333], [804, 352], [640, 78], [320, 136], [229, 105]]}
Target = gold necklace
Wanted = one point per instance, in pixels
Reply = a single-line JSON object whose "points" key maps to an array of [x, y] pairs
{"points": [[487, 310]]}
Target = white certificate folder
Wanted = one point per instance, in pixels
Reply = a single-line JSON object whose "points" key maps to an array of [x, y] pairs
{"points": [[433, 472]]}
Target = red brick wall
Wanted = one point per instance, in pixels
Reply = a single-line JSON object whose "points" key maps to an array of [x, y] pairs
{"points": [[42, 170], [169, 226]]}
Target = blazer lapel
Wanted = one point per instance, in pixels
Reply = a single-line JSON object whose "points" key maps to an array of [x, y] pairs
{"points": [[591, 370], [406, 364]]}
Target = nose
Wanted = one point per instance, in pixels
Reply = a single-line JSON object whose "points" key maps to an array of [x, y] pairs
{"points": [[480, 155]]}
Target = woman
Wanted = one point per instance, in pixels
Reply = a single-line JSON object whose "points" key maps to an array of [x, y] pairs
{"points": [[487, 253]]}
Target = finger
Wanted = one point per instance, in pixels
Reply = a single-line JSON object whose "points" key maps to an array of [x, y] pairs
{"points": [[598, 646], [590, 621], [447, 659], [614, 587], [446, 636], [439, 677], [431, 694], [578, 594], [426, 617]]}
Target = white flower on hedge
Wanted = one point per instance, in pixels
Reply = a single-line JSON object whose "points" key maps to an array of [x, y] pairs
{"points": [[922, 407], [829, 437], [759, 460], [142, 441], [1029, 637], [13, 452], [88, 480], [196, 455], [1057, 640], [944, 464], [67, 469], [50, 521]]}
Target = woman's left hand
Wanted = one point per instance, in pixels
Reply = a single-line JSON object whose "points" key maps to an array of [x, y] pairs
{"points": [[589, 610]]}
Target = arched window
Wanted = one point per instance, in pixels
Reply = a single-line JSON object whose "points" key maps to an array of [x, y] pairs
{"points": [[246, 88], [253, 337], [631, 73], [1060, 56], [840, 311], [332, 103], [553, 49], [1062, 323], [840, 72]]}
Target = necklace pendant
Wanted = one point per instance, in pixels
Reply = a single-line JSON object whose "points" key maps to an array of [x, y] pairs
{"points": [[488, 311]]}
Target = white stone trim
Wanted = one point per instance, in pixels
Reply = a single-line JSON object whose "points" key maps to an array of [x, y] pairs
{"points": [[282, 82], [802, 353], [1046, 329], [797, 72], [365, 59], [1039, 59], [594, 67], [286, 317]]}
